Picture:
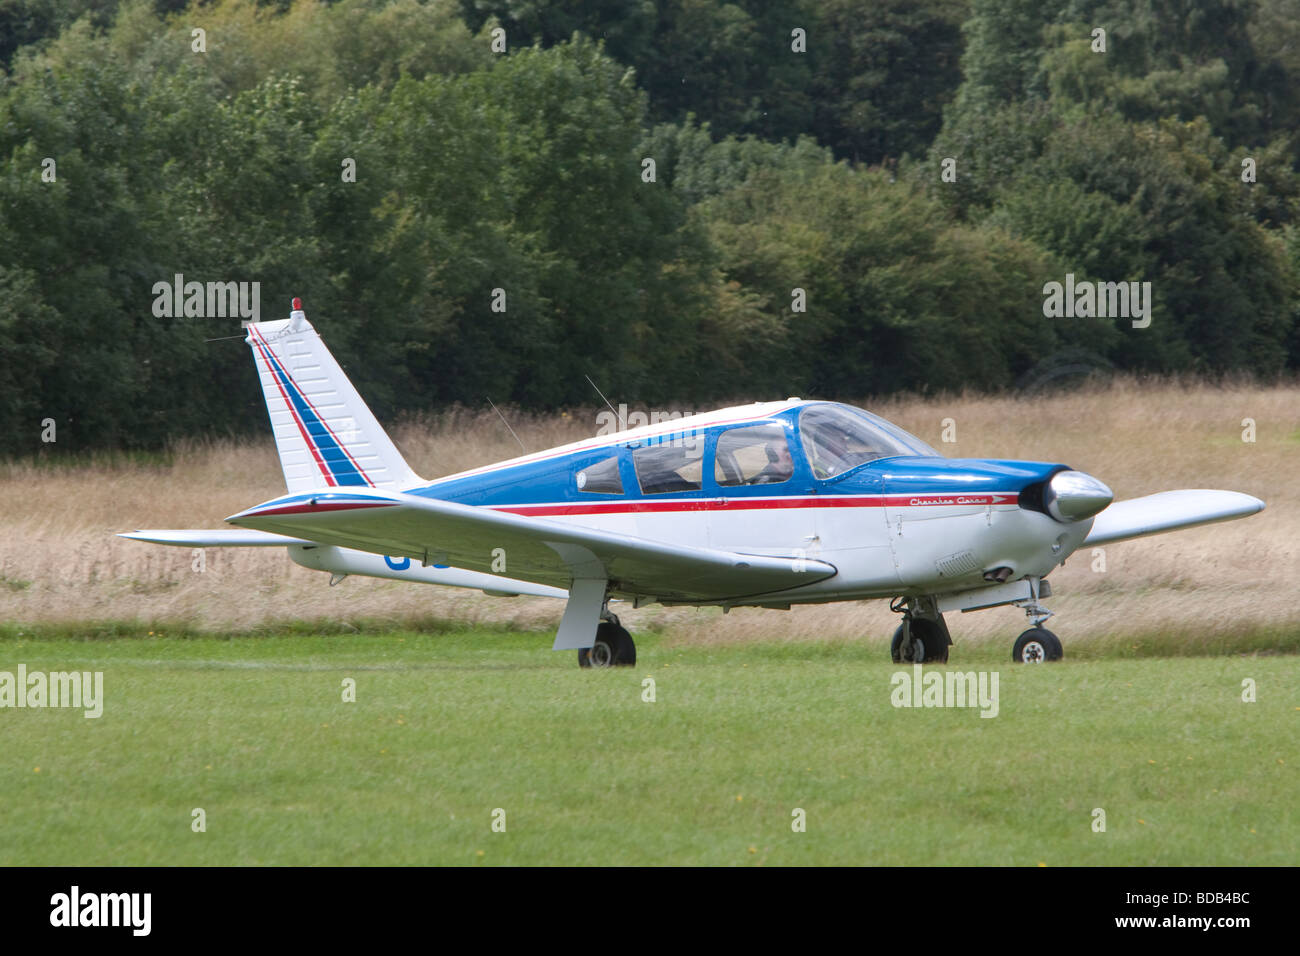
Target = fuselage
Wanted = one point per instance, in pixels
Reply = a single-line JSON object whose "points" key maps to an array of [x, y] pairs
{"points": [[813, 479]]}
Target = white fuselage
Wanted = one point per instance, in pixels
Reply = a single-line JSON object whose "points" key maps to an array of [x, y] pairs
{"points": [[880, 546]]}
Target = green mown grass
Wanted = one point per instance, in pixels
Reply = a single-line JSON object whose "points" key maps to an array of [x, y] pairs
{"points": [[449, 726]]}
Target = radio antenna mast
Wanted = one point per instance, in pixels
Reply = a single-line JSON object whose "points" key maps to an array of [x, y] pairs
{"points": [[507, 424], [621, 424]]}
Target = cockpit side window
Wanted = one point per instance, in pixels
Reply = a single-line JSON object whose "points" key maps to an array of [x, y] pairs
{"points": [[601, 478], [675, 464], [758, 455], [837, 438]]}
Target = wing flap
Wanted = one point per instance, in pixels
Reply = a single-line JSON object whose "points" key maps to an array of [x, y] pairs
{"points": [[1169, 511], [528, 548]]}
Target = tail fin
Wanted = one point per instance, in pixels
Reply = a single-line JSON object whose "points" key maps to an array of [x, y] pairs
{"points": [[323, 430]]}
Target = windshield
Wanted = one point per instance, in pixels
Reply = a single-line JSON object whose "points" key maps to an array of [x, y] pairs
{"points": [[839, 437]]}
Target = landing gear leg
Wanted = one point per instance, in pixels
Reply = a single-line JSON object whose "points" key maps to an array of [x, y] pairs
{"points": [[589, 627], [1037, 645]]}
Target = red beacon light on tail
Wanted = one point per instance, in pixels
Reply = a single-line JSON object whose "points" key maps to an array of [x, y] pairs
{"points": [[297, 318]]}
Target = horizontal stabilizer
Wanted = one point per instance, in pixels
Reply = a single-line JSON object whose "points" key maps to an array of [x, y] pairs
{"points": [[1169, 511], [226, 538]]}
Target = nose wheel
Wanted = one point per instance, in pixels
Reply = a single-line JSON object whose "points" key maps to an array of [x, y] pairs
{"points": [[1036, 646]]}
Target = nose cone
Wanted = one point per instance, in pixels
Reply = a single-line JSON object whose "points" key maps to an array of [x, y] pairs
{"points": [[1074, 496]]}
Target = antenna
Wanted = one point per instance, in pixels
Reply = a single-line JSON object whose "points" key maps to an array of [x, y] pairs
{"points": [[507, 424], [621, 425]]}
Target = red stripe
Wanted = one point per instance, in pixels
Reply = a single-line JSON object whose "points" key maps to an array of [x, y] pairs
{"points": [[693, 504], [765, 503], [311, 446]]}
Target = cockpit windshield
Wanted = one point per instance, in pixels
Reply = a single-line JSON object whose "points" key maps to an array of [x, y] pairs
{"points": [[839, 437]]}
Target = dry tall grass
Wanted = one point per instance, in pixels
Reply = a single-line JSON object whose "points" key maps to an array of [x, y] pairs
{"points": [[61, 564]]}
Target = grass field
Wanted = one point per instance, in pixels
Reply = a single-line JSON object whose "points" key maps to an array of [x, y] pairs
{"points": [[446, 728]]}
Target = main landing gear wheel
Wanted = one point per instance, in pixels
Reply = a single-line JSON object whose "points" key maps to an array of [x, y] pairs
{"points": [[613, 648], [1037, 645], [928, 645]]}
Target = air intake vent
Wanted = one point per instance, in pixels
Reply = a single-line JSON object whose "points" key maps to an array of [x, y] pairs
{"points": [[954, 565]]}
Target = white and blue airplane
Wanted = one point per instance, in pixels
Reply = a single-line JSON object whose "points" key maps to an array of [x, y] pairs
{"points": [[764, 505]]}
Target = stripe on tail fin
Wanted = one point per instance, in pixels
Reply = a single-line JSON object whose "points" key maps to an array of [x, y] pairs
{"points": [[325, 434]]}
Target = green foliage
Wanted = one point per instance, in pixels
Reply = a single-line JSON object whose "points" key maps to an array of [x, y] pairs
{"points": [[1003, 46], [883, 72], [526, 173], [76, 245], [899, 295], [1127, 165], [24, 22], [870, 83], [696, 166], [531, 185]]}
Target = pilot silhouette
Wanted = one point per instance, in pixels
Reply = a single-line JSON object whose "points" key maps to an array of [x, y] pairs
{"points": [[779, 465]]}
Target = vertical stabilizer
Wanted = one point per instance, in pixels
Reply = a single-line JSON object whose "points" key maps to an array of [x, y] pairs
{"points": [[325, 434]]}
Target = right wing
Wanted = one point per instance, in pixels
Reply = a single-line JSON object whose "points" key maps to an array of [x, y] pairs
{"points": [[1169, 511]]}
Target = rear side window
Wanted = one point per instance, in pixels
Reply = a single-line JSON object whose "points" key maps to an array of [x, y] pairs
{"points": [[676, 465], [601, 478]]}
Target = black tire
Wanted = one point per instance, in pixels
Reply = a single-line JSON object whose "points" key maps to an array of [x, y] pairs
{"points": [[934, 649], [613, 648], [1036, 646]]}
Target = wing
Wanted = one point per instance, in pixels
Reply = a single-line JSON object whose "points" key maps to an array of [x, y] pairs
{"points": [[531, 549], [1169, 511]]}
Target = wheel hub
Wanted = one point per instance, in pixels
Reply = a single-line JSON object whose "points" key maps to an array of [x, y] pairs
{"points": [[1033, 653]]}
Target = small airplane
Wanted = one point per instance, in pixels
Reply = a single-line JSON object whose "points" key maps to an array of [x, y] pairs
{"points": [[765, 505]]}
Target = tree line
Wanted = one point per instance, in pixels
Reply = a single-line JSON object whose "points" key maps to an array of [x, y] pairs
{"points": [[689, 201]]}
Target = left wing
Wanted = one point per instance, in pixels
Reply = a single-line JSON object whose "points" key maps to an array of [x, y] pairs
{"points": [[1169, 511], [532, 549]]}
